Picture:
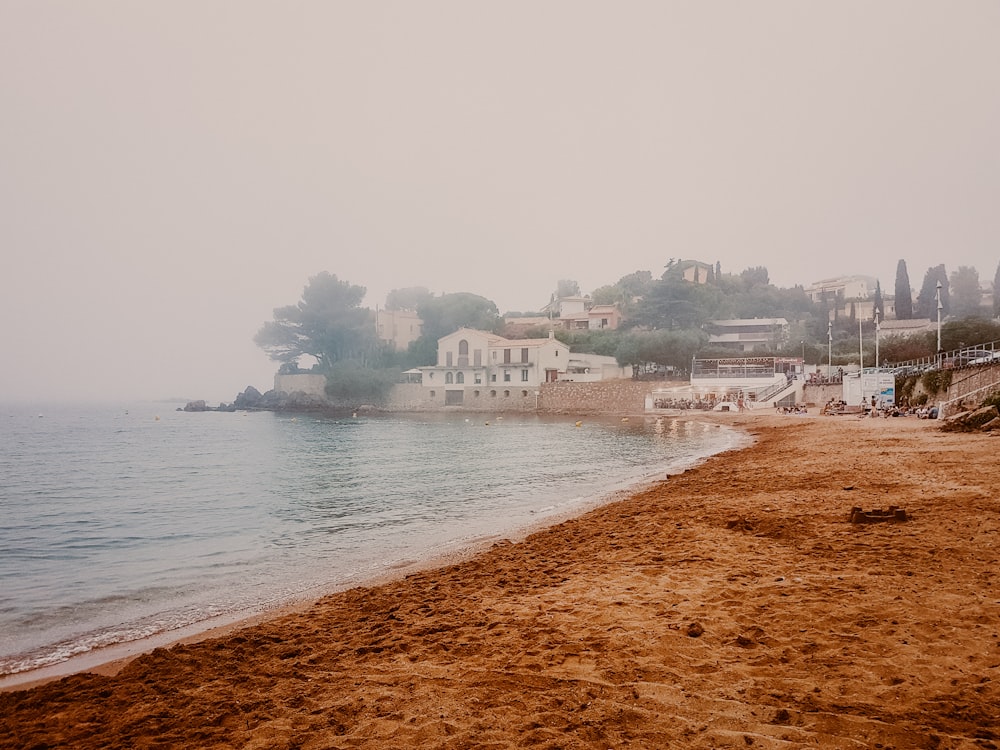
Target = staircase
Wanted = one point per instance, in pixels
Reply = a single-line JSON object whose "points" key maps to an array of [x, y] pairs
{"points": [[767, 398]]}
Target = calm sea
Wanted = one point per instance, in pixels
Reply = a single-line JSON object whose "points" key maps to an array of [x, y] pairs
{"points": [[125, 522]]}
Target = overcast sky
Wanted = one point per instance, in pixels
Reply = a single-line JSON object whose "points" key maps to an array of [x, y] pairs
{"points": [[170, 172]]}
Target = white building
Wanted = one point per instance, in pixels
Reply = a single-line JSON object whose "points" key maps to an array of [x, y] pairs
{"points": [[842, 288], [747, 334], [469, 357]]}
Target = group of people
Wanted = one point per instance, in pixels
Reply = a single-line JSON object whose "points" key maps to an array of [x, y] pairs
{"points": [[685, 403], [797, 409]]}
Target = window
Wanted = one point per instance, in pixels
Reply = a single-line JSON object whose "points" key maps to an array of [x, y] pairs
{"points": [[460, 377], [524, 354], [506, 376], [524, 394], [477, 358], [476, 393], [479, 378], [432, 394], [506, 356], [447, 360], [463, 348], [524, 376], [557, 352], [506, 394], [493, 377], [493, 394], [448, 378]]}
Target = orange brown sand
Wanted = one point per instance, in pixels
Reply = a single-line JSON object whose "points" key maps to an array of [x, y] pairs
{"points": [[733, 605]]}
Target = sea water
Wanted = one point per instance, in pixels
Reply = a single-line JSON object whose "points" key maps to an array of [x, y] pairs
{"points": [[125, 522]]}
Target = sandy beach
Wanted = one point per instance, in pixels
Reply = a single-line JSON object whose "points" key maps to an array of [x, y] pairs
{"points": [[733, 605]]}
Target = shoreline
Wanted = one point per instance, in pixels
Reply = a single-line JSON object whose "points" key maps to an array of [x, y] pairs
{"points": [[109, 660], [728, 605]]}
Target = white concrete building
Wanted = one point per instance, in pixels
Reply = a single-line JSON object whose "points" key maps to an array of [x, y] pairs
{"points": [[469, 358], [747, 334], [842, 288]]}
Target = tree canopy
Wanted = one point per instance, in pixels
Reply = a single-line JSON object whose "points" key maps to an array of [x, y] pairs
{"points": [[327, 323], [904, 297], [966, 297], [408, 298]]}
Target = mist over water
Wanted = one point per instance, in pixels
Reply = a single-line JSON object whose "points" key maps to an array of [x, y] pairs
{"points": [[126, 522]]}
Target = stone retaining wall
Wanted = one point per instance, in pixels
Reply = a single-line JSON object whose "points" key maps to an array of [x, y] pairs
{"points": [[605, 397]]}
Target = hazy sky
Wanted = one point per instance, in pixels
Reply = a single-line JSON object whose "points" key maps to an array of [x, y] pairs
{"points": [[170, 172]]}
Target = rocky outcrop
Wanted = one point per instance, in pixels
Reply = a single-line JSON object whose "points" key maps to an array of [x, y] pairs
{"points": [[985, 418], [253, 400]]}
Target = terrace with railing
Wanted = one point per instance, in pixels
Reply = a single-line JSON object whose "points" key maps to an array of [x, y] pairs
{"points": [[967, 356], [748, 367]]}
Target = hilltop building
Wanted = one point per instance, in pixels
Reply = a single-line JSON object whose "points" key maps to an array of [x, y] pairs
{"points": [[747, 334], [398, 327], [857, 292]]}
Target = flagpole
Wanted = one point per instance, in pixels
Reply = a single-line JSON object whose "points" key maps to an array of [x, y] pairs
{"points": [[829, 355], [876, 340]]}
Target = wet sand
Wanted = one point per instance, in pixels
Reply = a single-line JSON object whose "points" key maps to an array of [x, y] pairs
{"points": [[733, 605]]}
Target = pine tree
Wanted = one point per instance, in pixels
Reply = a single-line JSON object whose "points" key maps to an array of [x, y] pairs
{"points": [[904, 297]]}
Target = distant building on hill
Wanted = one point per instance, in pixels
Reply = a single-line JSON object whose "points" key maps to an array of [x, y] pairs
{"points": [[398, 327], [747, 334], [842, 288], [695, 271], [906, 328], [842, 294], [579, 314]]}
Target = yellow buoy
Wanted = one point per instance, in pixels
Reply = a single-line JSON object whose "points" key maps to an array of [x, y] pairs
{"points": [[579, 423]]}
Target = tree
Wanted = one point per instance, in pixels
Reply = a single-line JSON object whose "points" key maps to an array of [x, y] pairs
{"points": [[667, 348], [927, 298], [904, 298], [408, 298], [567, 288], [755, 276], [877, 305], [958, 334], [674, 303], [624, 292], [327, 323], [449, 312], [966, 298]]}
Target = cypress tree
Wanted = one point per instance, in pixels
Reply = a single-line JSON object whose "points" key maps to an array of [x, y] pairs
{"points": [[927, 299], [877, 304], [904, 297]]}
